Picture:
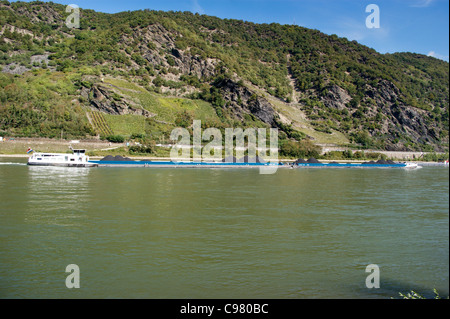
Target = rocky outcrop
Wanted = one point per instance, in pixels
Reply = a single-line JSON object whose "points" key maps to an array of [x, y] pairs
{"points": [[184, 61], [189, 64], [18, 69], [242, 100], [104, 100], [410, 121], [400, 118], [15, 68], [385, 92], [46, 14], [336, 98]]}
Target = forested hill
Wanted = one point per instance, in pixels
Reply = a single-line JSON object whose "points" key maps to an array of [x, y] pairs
{"points": [[142, 73]]}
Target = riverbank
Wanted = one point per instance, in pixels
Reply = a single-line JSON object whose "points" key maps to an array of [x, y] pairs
{"points": [[19, 146], [97, 149]]}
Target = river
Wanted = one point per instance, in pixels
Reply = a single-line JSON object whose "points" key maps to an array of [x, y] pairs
{"points": [[222, 233]]}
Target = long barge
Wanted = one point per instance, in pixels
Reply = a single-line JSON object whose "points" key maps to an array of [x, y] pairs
{"points": [[245, 165]]}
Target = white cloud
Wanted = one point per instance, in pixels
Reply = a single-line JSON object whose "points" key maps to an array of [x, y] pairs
{"points": [[422, 3], [196, 7], [357, 30], [438, 56]]}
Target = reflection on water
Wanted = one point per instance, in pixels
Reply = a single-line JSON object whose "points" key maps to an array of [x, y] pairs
{"points": [[55, 195]]}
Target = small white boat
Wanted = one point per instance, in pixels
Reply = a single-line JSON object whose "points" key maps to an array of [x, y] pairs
{"points": [[411, 165], [78, 158]]}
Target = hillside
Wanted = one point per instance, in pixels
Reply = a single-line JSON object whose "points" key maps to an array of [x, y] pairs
{"points": [[142, 73]]}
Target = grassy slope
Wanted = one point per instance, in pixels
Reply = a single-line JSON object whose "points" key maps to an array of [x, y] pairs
{"points": [[165, 108]]}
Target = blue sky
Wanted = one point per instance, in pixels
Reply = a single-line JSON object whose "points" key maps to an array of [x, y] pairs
{"points": [[420, 26]]}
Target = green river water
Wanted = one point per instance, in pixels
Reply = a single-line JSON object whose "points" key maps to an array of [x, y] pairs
{"points": [[222, 233]]}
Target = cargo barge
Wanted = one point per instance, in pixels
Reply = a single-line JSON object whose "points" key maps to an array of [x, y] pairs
{"points": [[245, 165], [246, 162]]}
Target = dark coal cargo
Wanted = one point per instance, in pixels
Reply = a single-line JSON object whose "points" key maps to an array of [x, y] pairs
{"points": [[380, 162], [117, 158], [312, 160], [300, 161]]}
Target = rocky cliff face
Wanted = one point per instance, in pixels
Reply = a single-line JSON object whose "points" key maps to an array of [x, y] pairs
{"points": [[392, 117], [336, 98], [242, 100], [105, 100], [399, 117], [157, 40]]}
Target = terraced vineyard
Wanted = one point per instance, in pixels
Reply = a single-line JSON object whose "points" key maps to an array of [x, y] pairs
{"points": [[100, 125]]}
